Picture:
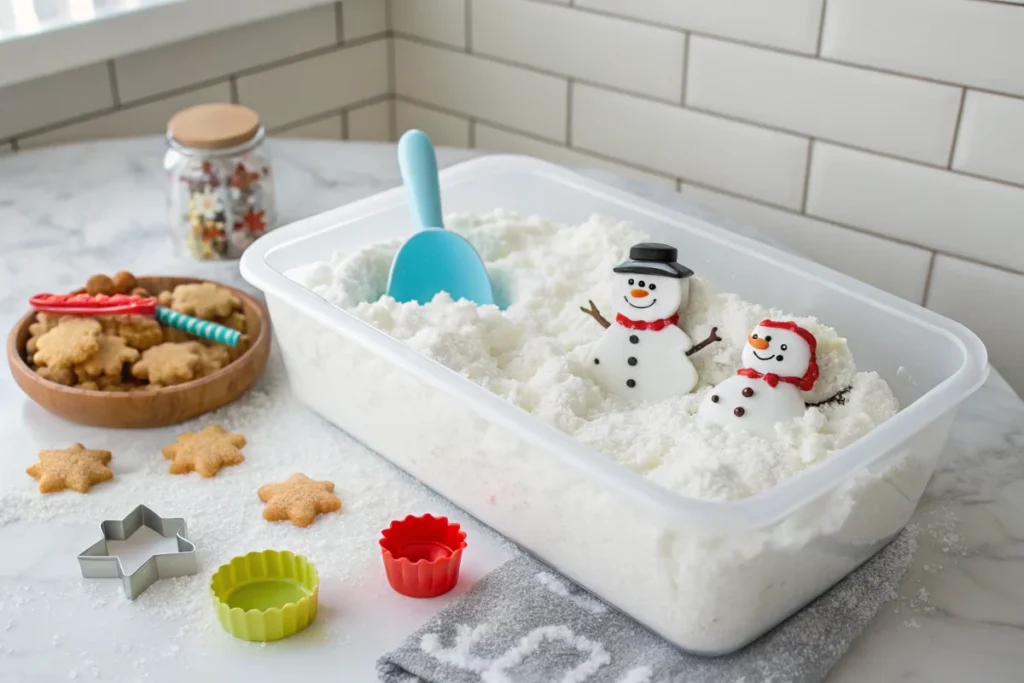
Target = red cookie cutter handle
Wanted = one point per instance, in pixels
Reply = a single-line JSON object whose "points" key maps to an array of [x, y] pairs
{"points": [[88, 304]]}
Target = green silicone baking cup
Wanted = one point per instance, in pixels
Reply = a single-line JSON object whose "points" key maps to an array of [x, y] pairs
{"points": [[265, 596]]}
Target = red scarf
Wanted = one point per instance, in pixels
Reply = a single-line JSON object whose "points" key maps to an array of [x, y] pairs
{"points": [[643, 325], [805, 383]]}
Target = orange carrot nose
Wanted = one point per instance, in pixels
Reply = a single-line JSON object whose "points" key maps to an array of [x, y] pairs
{"points": [[759, 344], [638, 293]]}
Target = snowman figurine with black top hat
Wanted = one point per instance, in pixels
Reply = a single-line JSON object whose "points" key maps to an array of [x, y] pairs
{"points": [[644, 354]]}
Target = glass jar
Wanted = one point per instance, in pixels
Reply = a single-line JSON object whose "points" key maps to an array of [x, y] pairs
{"points": [[219, 181]]}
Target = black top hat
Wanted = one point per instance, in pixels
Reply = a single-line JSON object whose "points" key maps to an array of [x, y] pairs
{"points": [[653, 258]]}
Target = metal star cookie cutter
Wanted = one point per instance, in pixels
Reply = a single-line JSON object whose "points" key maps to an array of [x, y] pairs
{"points": [[97, 563]]}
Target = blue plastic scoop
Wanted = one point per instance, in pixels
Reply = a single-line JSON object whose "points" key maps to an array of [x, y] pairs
{"points": [[434, 259]]}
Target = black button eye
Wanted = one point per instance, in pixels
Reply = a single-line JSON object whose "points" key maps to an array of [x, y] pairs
{"points": [[754, 336], [768, 339], [641, 283], [784, 347], [652, 286], [630, 280]]}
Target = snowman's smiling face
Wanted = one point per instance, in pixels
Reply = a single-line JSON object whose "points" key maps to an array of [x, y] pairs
{"points": [[777, 351], [639, 296]]}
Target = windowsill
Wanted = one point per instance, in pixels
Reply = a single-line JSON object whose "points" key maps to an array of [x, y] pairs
{"points": [[81, 32]]}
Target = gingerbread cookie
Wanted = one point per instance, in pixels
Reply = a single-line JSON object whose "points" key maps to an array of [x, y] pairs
{"points": [[76, 467], [204, 300], [107, 383], [109, 359], [138, 331], [59, 374], [299, 499], [205, 452], [168, 364], [72, 341], [213, 357]]}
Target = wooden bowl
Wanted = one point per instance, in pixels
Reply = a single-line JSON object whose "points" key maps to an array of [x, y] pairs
{"points": [[157, 407]]}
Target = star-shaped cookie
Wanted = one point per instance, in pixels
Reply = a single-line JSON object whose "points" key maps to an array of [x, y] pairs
{"points": [[205, 451], [75, 467], [204, 300], [299, 499], [71, 341], [108, 360], [168, 363]]}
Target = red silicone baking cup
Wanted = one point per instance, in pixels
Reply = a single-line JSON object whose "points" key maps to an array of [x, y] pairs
{"points": [[422, 555]]}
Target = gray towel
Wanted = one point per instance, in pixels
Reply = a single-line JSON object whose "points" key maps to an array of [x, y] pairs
{"points": [[523, 623]]}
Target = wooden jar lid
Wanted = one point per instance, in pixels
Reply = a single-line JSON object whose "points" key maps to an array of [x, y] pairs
{"points": [[214, 126]]}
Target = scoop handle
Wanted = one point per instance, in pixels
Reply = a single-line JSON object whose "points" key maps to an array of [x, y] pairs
{"points": [[419, 173]]}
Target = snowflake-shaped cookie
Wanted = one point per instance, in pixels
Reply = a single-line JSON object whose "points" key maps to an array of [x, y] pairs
{"points": [[75, 467], [299, 499], [205, 452]]}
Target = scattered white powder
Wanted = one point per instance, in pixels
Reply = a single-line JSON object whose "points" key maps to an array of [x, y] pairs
{"points": [[533, 354]]}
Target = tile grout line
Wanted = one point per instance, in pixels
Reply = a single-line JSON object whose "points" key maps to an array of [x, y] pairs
{"points": [[468, 28], [568, 113], [686, 67], [339, 24], [334, 111], [345, 133], [233, 87], [471, 134], [807, 176], [114, 91], [821, 27], [928, 280], [956, 128]]}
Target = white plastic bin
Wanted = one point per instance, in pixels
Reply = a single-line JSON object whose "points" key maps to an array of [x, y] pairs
{"points": [[708, 576]]}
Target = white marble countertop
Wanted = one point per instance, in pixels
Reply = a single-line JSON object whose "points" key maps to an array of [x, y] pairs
{"points": [[68, 212]]}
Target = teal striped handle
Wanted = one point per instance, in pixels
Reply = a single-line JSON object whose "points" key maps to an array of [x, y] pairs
{"points": [[197, 326]]}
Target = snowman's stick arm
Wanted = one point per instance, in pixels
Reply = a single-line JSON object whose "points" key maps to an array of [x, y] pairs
{"points": [[596, 314], [713, 337]]}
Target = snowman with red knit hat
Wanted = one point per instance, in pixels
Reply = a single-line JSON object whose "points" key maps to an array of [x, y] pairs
{"points": [[779, 364]]}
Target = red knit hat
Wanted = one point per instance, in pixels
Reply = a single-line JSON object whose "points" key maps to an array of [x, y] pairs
{"points": [[811, 376]]}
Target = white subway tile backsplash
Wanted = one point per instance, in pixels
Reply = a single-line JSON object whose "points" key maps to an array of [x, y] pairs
{"points": [[497, 140], [482, 88], [734, 156], [966, 42], [893, 114], [371, 123], [443, 21], [787, 24], [991, 139], [362, 18], [313, 86], [146, 119], [897, 268], [932, 207], [988, 301], [219, 54], [443, 129], [605, 50], [328, 128], [44, 101]]}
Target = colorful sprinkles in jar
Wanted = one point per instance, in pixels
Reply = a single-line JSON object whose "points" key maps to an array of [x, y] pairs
{"points": [[219, 179]]}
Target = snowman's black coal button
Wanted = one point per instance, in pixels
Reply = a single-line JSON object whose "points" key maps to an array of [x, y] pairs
{"points": [[631, 360], [597, 361], [714, 398], [630, 383], [738, 412], [633, 339], [747, 392]]}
